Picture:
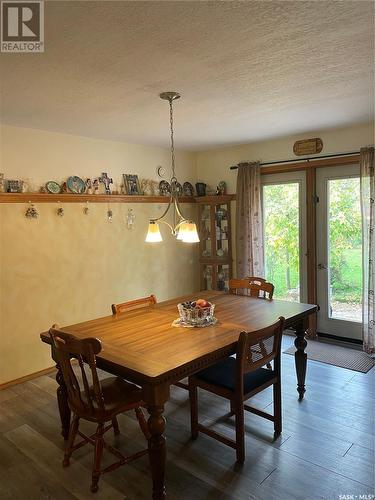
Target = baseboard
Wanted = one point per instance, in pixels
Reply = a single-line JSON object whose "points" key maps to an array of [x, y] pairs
{"points": [[26, 378], [340, 339]]}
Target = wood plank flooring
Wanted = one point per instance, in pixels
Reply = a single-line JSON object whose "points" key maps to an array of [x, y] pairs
{"points": [[326, 448]]}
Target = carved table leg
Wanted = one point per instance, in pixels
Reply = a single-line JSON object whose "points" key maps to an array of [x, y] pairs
{"points": [[62, 399], [300, 356], [157, 450]]}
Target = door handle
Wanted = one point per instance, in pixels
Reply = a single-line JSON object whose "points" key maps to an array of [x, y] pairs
{"points": [[322, 266]]}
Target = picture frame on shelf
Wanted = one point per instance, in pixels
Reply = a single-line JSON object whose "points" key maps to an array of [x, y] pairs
{"points": [[131, 184], [14, 186]]}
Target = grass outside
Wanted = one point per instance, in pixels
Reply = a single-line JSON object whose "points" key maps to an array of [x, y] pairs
{"points": [[347, 286]]}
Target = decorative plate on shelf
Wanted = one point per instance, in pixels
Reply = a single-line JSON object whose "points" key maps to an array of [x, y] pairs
{"points": [[164, 188], [188, 189], [53, 187], [76, 185]]}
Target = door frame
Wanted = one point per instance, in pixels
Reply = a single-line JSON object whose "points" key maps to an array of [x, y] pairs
{"points": [[310, 166]]}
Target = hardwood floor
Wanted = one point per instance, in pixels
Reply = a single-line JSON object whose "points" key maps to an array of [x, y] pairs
{"points": [[326, 448]]}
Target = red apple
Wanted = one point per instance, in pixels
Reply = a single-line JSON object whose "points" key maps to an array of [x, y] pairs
{"points": [[202, 303]]}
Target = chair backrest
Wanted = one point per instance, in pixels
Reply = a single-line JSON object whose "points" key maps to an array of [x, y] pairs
{"points": [[257, 349], [133, 304], [84, 396], [252, 286]]}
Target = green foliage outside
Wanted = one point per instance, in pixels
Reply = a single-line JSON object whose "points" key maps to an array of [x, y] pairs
{"points": [[281, 231], [345, 235]]}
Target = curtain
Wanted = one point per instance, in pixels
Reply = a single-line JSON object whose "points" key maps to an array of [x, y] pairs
{"points": [[368, 247], [249, 229]]}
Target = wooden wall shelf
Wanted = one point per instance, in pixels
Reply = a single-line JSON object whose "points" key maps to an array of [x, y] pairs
{"points": [[104, 198], [82, 198]]}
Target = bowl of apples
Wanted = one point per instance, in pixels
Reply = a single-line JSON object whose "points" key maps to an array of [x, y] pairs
{"points": [[198, 312]]}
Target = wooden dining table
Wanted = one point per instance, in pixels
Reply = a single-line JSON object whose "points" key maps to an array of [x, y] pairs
{"points": [[144, 347]]}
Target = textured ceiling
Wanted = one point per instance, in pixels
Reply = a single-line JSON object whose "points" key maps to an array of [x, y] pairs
{"points": [[246, 70]]}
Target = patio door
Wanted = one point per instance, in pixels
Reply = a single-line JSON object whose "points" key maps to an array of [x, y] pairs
{"points": [[339, 251]]}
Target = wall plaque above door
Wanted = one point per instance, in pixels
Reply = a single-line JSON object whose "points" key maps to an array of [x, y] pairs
{"points": [[308, 146]]}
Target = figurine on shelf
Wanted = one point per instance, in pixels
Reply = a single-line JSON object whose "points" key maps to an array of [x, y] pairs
{"points": [[155, 188], [88, 186], [2, 183], [146, 187], [220, 281], [95, 185], [106, 181], [221, 188], [208, 277]]}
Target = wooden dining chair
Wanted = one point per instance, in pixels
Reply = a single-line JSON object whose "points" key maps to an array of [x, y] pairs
{"points": [[238, 379], [138, 304], [130, 305], [252, 286], [99, 401]]}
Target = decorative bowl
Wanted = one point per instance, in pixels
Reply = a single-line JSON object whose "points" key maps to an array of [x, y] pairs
{"points": [[192, 314]]}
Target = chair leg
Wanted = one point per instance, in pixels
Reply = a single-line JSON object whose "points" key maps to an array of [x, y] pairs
{"points": [[193, 396], [277, 408], [116, 429], [72, 435], [99, 445], [142, 423], [240, 432], [232, 407]]}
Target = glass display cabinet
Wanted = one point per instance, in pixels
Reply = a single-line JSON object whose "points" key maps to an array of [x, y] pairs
{"points": [[215, 250]]}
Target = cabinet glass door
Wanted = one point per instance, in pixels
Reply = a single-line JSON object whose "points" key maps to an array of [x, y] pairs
{"points": [[221, 231], [207, 277], [205, 231]]}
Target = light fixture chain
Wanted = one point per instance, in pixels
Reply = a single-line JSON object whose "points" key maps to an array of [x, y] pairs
{"points": [[172, 140]]}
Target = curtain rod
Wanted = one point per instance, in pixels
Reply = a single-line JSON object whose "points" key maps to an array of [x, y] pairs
{"points": [[235, 167]]}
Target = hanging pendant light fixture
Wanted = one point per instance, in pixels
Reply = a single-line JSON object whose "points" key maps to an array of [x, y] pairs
{"points": [[184, 230]]}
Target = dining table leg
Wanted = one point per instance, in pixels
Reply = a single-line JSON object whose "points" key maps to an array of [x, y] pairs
{"points": [[157, 450], [300, 356]]}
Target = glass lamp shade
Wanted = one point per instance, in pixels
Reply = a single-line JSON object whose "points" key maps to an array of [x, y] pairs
{"points": [[190, 234], [181, 231], [153, 233]]}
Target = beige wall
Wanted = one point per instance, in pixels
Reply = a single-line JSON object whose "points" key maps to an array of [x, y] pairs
{"points": [[70, 269], [213, 165]]}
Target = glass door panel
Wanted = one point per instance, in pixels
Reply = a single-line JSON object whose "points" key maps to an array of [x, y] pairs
{"points": [[208, 277], [339, 252], [221, 231], [222, 274], [345, 249], [284, 234], [206, 245]]}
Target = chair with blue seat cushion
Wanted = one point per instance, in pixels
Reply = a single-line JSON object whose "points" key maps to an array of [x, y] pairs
{"points": [[238, 379]]}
